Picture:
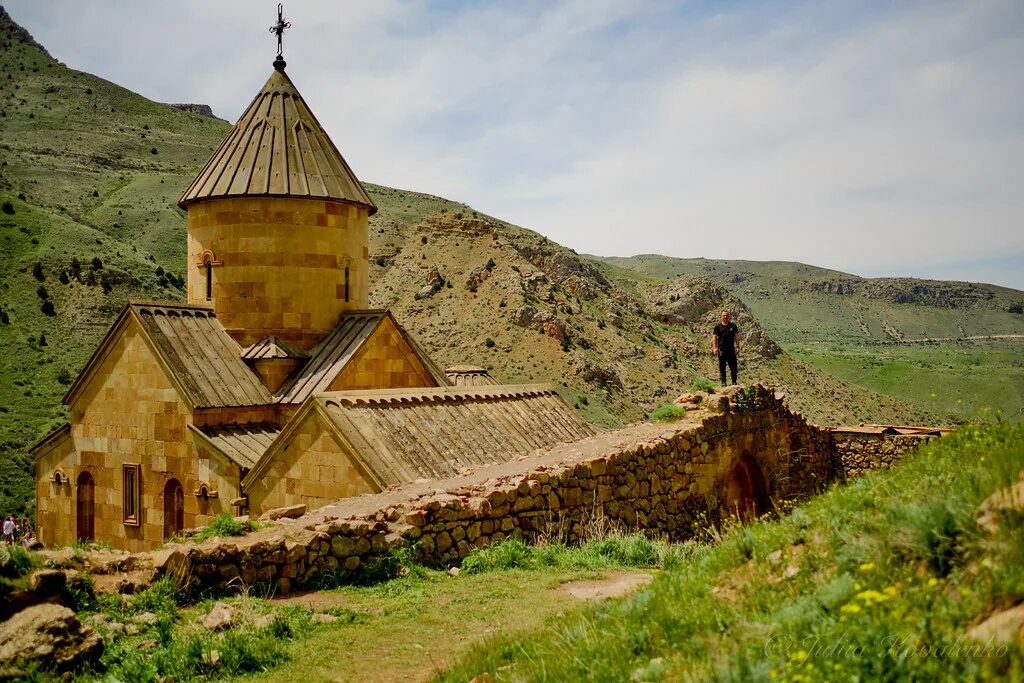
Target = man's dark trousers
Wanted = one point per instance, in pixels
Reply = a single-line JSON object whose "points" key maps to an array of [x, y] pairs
{"points": [[729, 357]]}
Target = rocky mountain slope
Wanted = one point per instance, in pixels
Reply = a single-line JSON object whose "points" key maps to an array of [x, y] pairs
{"points": [[89, 175], [800, 303]]}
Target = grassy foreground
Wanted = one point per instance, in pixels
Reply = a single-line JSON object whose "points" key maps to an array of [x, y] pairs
{"points": [[876, 580]]}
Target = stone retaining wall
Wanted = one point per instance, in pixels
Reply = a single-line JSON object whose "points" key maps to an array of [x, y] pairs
{"points": [[665, 485], [859, 453]]}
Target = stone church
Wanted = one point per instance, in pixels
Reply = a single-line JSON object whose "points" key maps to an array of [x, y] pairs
{"points": [[274, 384]]}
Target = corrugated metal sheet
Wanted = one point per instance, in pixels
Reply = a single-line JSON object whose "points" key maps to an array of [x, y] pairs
{"points": [[403, 435], [277, 148], [272, 347], [469, 376], [202, 357], [329, 357], [891, 430], [244, 444]]}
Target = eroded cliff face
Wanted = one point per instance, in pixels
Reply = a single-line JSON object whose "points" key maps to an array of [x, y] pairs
{"points": [[477, 290]]}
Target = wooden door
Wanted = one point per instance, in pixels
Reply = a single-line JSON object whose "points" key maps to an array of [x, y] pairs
{"points": [[85, 507], [174, 508]]}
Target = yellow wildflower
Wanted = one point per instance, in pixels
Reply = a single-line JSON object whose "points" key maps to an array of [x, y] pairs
{"points": [[872, 597], [852, 608], [867, 566], [890, 591], [933, 582]]}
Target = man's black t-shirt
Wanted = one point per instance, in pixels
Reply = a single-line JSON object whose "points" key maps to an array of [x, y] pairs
{"points": [[726, 336]]}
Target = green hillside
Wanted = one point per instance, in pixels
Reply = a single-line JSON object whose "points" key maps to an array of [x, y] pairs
{"points": [[955, 349], [89, 176], [888, 578]]}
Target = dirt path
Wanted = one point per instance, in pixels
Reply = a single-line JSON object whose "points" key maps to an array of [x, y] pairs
{"points": [[406, 631]]}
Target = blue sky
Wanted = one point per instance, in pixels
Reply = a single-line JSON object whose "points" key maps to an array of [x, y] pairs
{"points": [[877, 138]]}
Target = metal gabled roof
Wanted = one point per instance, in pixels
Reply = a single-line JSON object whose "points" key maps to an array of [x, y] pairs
{"points": [[404, 434], [278, 149], [193, 348], [469, 376], [242, 444], [333, 353], [272, 347]]}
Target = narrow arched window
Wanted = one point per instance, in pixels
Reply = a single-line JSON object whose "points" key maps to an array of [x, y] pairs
{"points": [[346, 284], [209, 280]]}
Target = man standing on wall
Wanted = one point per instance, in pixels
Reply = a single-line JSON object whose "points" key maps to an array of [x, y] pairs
{"points": [[725, 343]]}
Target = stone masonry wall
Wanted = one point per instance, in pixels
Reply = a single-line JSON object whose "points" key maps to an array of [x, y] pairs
{"points": [[860, 453], [664, 484]]}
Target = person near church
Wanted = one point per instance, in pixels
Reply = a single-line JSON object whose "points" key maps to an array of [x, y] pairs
{"points": [[725, 344]]}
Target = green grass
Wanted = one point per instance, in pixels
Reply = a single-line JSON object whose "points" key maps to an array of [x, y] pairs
{"points": [[959, 381], [668, 413], [222, 525], [866, 582]]}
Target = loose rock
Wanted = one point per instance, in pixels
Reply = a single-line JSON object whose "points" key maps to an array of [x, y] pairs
{"points": [[49, 634]]}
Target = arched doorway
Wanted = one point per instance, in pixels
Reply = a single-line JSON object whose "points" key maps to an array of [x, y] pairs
{"points": [[85, 507], [746, 494], [174, 508]]}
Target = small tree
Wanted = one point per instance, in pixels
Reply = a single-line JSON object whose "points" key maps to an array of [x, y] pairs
{"points": [[97, 264], [7, 208], [37, 271], [41, 291], [48, 308]]}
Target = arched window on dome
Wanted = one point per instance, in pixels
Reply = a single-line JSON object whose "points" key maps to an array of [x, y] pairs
{"points": [[346, 284], [209, 280]]}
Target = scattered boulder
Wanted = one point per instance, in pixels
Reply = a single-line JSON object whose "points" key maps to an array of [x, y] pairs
{"points": [[49, 634], [145, 618], [220, 617], [454, 571], [172, 561], [290, 512], [1002, 628], [263, 621], [434, 284], [1002, 502], [48, 582]]}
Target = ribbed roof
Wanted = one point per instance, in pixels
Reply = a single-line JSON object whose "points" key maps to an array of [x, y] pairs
{"points": [[329, 357], [243, 444], [469, 376], [277, 148], [193, 348], [272, 347], [201, 356], [405, 434]]}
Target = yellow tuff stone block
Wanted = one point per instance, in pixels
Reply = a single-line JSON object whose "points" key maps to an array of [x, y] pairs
{"points": [[278, 264]]}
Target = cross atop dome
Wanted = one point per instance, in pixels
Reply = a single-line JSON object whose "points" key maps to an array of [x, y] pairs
{"points": [[278, 29]]}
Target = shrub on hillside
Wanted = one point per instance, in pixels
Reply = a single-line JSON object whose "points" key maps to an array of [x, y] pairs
{"points": [[7, 208], [221, 525], [97, 264], [702, 384], [15, 561], [42, 293], [37, 271], [48, 308], [668, 413]]}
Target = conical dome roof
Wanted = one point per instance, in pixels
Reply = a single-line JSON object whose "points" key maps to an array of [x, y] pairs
{"points": [[277, 149]]}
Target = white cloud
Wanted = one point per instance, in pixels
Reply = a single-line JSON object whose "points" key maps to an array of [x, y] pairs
{"points": [[874, 139]]}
